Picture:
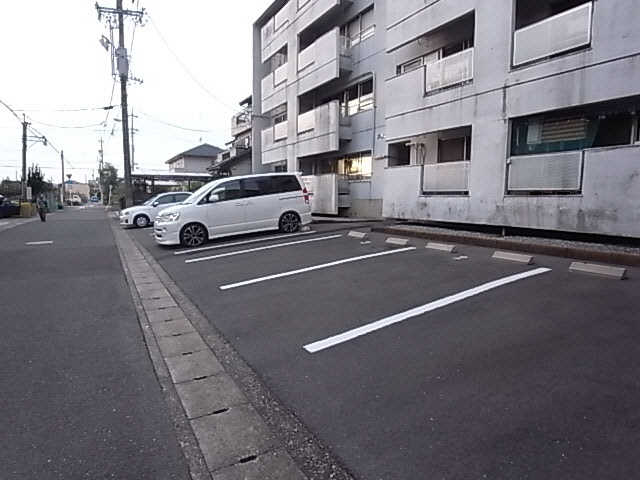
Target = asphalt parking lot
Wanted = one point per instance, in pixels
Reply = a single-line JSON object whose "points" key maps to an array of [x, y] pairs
{"points": [[507, 370]]}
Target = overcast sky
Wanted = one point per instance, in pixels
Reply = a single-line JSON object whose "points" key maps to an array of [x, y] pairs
{"points": [[52, 62]]}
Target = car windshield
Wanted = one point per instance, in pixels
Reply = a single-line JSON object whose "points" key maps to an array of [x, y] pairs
{"points": [[151, 200], [197, 194]]}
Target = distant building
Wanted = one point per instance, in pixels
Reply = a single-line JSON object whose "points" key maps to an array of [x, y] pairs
{"points": [[195, 160], [236, 159], [71, 187]]}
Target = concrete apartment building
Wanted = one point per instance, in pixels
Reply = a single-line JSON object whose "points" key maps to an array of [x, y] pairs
{"points": [[516, 113], [317, 68]]}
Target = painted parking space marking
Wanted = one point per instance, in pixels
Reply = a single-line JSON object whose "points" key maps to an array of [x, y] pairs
{"points": [[414, 312], [42, 242], [258, 249], [244, 242], [315, 267]]}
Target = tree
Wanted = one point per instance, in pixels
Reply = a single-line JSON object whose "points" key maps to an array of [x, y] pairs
{"points": [[108, 176], [37, 182]]}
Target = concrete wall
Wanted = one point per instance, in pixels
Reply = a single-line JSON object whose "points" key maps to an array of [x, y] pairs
{"points": [[609, 69]]}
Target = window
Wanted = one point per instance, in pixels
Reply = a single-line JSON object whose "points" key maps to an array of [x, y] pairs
{"points": [[603, 126], [284, 183], [356, 167], [279, 58], [399, 154], [636, 127], [165, 199], [254, 187], [358, 98], [454, 149], [279, 114], [181, 197], [177, 164], [280, 168], [360, 28], [227, 191]]}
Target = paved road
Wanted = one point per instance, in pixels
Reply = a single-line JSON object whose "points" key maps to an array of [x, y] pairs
{"points": [[535, 378], [78, 395]]}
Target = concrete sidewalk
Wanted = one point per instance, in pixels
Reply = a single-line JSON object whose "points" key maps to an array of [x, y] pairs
{"points": [[596, 252], [11, 222]]}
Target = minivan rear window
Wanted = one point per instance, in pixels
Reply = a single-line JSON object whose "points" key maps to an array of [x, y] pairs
{"points": [[285, 183]]}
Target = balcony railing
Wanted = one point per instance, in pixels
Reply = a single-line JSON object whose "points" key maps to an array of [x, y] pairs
{"points": [[550, 172], [449, 177], [307, 121], [280, 131], [274, 24], [328, 47], [553, 35], [280, 74], [450, 70], [320, 130], [273, 88]]}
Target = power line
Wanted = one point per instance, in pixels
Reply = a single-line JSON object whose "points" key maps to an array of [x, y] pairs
{"points": [[187, 70], [68, 109], [178, 126], [66, 126], [11, 110]]}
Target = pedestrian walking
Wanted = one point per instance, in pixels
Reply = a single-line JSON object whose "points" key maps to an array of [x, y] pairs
{"points": [[42, 207]]}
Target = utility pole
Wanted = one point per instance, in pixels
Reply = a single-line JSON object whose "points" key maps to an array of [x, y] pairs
{"points": [[100, 171], [122, 63], [62, 192], [24, 158], [133, 148], [123, 71]]}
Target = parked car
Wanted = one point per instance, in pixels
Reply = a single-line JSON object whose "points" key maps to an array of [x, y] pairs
{"points": [[230, 206], [7, 208], [74, 200], [94, 199], [143, 215]]}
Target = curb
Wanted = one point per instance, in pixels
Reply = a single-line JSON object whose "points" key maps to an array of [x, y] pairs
{"points": [[578, 253], [229, 424]]}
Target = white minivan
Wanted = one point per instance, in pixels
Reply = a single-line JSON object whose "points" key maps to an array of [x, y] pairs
{"points": [[235, 205]]}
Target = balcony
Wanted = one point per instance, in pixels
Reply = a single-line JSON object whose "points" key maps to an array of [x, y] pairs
{"points": [[274, 148], [271, 33], [311, 12], [240, 123], [452, 70], [554, 172], [563, 32], [323, 61], [449, 177], [273, 88], [320, 130]]}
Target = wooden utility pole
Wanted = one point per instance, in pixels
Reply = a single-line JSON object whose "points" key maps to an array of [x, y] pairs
{"points": [[123, 72], [24, 158], [62, 187]]}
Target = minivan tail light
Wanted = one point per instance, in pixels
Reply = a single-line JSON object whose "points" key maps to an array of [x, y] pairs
{"points": [[306, 194]]}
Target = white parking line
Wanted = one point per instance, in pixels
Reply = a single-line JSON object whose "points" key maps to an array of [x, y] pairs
{"points": [[234, 244], [257, 249], [315, 267], [42, 242], [385, 322]]}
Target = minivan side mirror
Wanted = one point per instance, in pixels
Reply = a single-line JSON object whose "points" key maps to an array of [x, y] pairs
{"points": [[155, 204], [214, 197]]}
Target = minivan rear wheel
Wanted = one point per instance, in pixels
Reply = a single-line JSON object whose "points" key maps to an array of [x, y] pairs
{"points": [[193, 235], [289, 222]]}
